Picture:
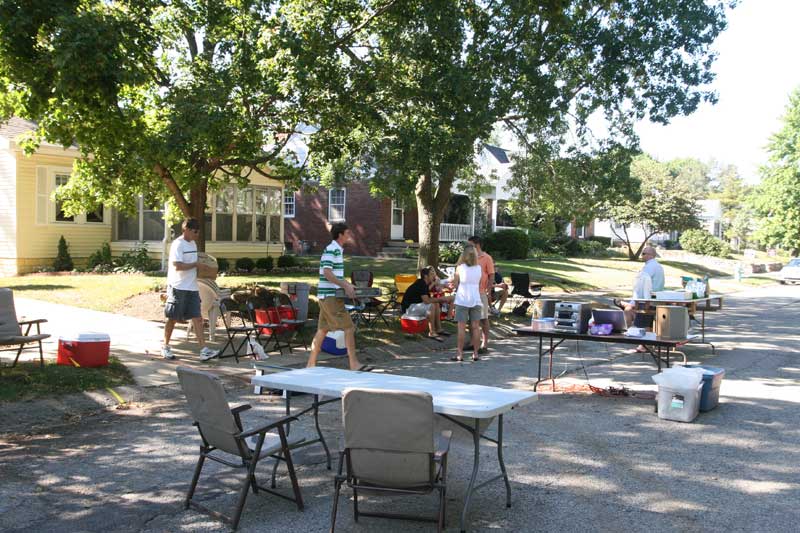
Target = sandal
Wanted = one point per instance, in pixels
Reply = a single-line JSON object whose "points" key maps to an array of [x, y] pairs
{"points": [[443, 333], [475, 358], [457, 358], [434, 338]]}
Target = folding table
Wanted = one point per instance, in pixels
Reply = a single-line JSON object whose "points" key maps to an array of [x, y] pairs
{"points": [[712, 302], [471, 407]]}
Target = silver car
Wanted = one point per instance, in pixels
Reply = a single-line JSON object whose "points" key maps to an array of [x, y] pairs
{"points": [[790, 273]]}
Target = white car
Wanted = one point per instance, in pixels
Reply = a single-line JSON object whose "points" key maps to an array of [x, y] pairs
{"points": [[790, 273]]}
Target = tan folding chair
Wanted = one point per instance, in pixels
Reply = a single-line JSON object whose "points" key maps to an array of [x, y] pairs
{"points": [[390, 449], [11, 330], [222, 434]]}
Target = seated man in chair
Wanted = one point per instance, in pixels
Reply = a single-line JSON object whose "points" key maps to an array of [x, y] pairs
{"points": [[499, 294], [419, 293]]}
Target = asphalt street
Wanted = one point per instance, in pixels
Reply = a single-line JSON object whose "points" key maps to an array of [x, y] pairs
{"points": [[577, 462]]}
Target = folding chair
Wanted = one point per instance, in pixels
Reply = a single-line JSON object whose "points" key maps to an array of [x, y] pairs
{"points": [[11, 330], [289, 317], [389, 448], [401, 284], [222, 433], [229, 311], [373, 307], [266, 320], [522, 287]]}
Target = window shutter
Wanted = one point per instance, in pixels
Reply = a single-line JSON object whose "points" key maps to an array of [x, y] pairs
{"points": [[42, 196]]}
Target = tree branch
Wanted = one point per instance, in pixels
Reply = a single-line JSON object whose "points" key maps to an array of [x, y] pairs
{"points": [[172, 186], [378, 12]]}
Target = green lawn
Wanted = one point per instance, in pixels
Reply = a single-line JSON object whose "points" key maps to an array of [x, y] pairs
{"points": [[28, 380], [611, 275]]}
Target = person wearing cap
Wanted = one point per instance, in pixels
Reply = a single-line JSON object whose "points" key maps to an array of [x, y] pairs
{"points": [[183, 293], [656, 273]]}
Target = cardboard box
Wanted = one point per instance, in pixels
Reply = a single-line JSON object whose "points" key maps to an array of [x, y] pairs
{"points": [[207, 267]]}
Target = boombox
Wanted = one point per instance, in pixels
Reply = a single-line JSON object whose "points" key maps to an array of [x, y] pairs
{"points": [[573, 316], [671, 322]]}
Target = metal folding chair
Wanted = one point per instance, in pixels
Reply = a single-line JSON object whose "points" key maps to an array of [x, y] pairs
{"points": [[229, 311], [11, 328], [373, 307], [223, 435], [390, 448]]}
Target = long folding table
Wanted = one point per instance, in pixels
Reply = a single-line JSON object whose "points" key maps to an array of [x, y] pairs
{"points": [[654, 345], [471, 407]]}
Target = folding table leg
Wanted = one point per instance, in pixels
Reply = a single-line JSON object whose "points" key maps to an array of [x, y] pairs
{"points": [[476, 442]]}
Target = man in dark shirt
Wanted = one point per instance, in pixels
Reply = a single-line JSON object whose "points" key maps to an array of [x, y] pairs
{"points": [[420, 293]]}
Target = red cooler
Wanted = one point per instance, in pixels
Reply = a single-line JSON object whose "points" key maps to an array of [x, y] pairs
{"points": [[413, 325], [88, 349]]}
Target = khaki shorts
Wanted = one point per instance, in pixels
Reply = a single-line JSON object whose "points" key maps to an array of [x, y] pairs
{"points": [[332, 315], [484, 306]]}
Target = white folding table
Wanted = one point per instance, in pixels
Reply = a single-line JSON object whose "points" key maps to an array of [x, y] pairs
{"points": [[472, 407]]}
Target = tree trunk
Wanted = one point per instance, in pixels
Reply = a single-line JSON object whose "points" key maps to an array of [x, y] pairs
{"points": [[429, 226], [430, 210], [197, 209]]}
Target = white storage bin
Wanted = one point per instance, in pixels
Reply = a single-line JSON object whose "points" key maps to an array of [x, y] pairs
{"points": [[681, 405]]}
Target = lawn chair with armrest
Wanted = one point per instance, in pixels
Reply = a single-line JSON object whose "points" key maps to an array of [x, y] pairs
{"points": [[373, 307], [523, 288], [401, 284], [11, 328], [390, 448], [222, 434]]}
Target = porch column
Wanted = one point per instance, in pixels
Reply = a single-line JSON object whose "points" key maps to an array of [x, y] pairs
{"points": [[494, 214]]}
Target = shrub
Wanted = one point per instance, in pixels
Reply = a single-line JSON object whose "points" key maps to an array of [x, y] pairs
{"points": [[450, 252], [63, 260], [136, 260], [245, 264], [605, 241], [701, 242], [223, 264], [538, 239], [287, 261], [564, 245], [100, 260], [265, 263], [592, 249], [508, 243]]}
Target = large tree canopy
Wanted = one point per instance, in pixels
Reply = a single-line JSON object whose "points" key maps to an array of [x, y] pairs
{"points": [[163, 98], [427, 80], [776, 201], [665, 204]]}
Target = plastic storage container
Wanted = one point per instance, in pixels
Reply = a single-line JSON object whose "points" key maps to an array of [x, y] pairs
{"points": [[334, 344], [87, 349], [413, 325], [712, 380], [681, 405]]}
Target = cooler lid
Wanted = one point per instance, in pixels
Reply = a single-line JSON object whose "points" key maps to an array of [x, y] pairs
{"points": [[86, 336]]}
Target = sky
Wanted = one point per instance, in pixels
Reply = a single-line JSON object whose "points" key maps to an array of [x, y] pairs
{"points": [[757, 68]]}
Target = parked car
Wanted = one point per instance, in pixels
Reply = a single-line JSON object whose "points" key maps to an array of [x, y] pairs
{"points": [[790, 273]]}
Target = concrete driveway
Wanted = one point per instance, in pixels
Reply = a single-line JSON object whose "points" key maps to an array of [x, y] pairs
{"points": [[577, 462]]}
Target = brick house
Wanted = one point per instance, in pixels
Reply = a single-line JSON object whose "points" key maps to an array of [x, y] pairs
{"points": [[378, 222]]}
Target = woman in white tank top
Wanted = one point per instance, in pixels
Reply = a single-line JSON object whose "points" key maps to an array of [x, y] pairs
{"points": [[468, 304]]}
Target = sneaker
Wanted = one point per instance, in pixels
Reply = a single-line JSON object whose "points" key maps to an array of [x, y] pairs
{"points": [[207, 353], [494, 312], [166, 352]]}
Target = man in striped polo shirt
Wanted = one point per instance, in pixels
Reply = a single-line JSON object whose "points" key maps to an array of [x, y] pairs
{"points": [[332, 314]]}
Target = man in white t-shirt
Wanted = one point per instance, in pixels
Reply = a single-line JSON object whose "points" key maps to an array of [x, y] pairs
{"points": [[183, 294]]}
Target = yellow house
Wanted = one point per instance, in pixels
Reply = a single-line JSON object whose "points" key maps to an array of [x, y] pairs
{"points": [[240, 222]]}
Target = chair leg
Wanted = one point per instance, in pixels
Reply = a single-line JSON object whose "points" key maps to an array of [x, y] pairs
{"points": [[41, 355], [243, 492], [442, 507], [337, 485], [21, 346], [290, 466], [195, 478], [355, 504]]}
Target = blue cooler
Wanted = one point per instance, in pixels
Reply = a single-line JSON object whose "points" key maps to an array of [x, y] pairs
{"points": [[712, 379], [334, 344]]}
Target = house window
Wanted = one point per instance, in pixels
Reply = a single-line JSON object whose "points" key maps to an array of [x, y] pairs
{"points": [[250, 214], [50, 209], [60, 180], [580, 232], [336, 204], [288, 204], [504, 217]]}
